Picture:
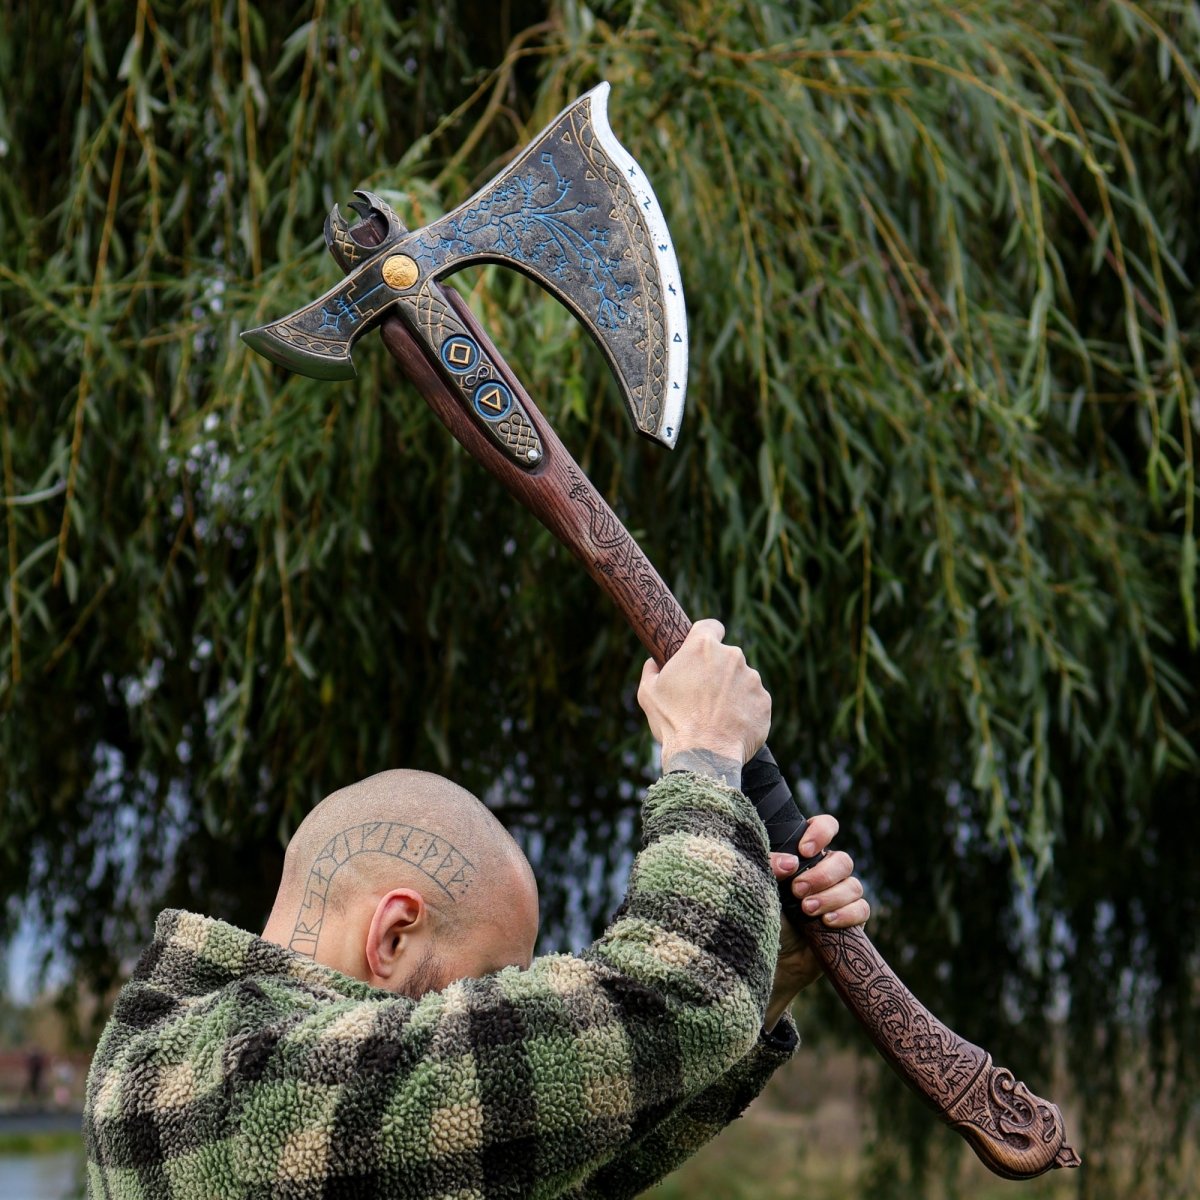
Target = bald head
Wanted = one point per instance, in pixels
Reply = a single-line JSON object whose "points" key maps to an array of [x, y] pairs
{"points": [[408, 834]]}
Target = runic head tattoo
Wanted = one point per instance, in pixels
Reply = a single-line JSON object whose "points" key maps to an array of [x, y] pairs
{"points": [[434, 856]]}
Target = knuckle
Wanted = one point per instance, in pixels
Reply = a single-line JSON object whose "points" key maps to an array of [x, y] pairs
{"points": [[818, 829]]}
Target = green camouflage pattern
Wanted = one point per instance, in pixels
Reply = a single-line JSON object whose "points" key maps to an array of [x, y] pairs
{"points": [[232, 1067]]}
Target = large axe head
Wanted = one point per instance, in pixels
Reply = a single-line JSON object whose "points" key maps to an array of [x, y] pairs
{"points": [[574, 212]]}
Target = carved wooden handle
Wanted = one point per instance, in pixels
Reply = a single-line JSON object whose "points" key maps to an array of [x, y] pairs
{"points": [[1013, 1132]]}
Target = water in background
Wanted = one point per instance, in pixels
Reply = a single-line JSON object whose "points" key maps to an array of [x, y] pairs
{"points": [[54, 1176]]}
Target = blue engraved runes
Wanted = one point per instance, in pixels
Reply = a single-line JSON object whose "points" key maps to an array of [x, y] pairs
{"points": [[492, 400], [332, 320], [460, 354]]}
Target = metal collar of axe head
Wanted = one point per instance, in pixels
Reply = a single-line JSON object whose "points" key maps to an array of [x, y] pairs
{"points": [[576, 214]]}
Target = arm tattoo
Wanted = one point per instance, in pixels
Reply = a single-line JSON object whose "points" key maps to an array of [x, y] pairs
{"points": [[445, 864], [704, 762]]}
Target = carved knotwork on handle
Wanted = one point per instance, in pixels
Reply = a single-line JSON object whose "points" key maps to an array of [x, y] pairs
{"points": [[627, 574], [1015, 1133], [1005, 1123]]}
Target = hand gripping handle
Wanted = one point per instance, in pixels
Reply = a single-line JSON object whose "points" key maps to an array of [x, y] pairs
{"points": [[1013, 1132], [764, 785], [765, 788]]}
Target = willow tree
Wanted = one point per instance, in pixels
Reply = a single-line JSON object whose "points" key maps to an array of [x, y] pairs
{"points": [[937, 474]]}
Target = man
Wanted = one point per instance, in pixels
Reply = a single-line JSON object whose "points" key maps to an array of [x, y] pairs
{"points": [[391, 1034]]}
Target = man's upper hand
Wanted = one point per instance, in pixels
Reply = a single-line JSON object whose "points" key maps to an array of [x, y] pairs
{"points": [[708, 708], [828, 891], [711, 713]]}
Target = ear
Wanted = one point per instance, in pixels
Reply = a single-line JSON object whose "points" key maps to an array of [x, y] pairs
{"points": [[400, 915]]}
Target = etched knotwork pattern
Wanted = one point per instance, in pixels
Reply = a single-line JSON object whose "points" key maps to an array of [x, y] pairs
{"points": [[910, 1032], [435, 321], [1013, 1132], [617, 556], [625, 210], [564, 214]]}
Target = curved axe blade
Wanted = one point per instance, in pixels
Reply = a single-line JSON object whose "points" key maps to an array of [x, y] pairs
{"points": [[574, 212]]}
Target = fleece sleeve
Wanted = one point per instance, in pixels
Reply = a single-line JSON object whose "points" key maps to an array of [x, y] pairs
{"points": [[649, 1159], [289, 1080]]}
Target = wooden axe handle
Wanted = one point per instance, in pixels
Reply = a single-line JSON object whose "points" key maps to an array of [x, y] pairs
{"points": [[1013, 1132]]}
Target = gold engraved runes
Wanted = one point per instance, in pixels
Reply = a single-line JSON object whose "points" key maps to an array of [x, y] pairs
{"points": [[493, 398]]}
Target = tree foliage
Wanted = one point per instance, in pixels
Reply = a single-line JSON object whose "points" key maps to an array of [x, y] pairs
{"points": [[937, 474]]}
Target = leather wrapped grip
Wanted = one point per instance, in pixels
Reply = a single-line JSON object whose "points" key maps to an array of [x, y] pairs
{"points": [[764, 785]]}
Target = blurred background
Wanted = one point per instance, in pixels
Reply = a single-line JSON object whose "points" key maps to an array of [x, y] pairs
{"points": [[937, 475]]}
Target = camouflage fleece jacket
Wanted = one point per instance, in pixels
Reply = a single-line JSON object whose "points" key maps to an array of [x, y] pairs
{"points": [[232, 1067]]}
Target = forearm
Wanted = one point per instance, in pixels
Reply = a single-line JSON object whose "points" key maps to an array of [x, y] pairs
{"points": [[668, 1144], [728, 771], [711, 763], [779, 1003], [700, 925]]}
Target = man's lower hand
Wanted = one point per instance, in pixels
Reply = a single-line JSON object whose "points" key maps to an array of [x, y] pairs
{"points": [[828, 891]]}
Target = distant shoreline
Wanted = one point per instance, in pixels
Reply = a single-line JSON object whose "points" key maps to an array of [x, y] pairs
{"points": [[28, 1122]]}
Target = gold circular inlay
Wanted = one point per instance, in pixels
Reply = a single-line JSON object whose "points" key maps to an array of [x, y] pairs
{"points": [[400, 272]]}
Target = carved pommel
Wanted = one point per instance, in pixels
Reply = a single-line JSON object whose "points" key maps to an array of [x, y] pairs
{"points": [[1015, 1133]]}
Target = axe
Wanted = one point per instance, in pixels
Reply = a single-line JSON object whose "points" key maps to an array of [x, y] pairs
{"points": [[575, 213]]}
